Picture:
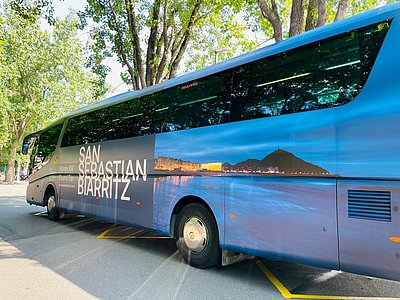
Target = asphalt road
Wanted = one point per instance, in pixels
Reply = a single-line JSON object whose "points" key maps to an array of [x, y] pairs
{"points": [[83, 258]]}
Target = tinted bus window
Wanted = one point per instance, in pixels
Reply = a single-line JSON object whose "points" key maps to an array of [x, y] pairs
{"points": [[113, 122], [324, 74], [202, 102], [79, 130], [47, 143], [199, 103]]}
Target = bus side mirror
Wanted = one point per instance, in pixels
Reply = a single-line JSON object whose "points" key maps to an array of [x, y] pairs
{"points": [[28, 143], [25, 145]]}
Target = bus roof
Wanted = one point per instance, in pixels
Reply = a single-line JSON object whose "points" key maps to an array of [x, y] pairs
{"points": [[345, 25]]}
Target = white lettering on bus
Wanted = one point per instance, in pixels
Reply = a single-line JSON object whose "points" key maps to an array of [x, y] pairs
{"points": [[107, 179], [127, 182]]}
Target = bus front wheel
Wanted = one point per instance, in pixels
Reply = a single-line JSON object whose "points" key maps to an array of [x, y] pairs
{"points": [[51, 203], [197, 237]]}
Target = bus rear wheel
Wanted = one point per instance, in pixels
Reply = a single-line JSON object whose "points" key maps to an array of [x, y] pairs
{"points": [[197, 237], [51, 203]]}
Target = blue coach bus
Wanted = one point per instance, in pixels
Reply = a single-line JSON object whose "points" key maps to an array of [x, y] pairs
{"points": [[289, 152]]}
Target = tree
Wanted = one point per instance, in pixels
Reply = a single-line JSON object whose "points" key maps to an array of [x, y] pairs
{"points": [[42, 77], [151, 39], [317, 12], [120, 24], [219, 30], [33, 9]]}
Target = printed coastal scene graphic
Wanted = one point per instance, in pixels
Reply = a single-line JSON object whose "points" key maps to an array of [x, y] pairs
{"points": [[261, 146], [279, 162]]}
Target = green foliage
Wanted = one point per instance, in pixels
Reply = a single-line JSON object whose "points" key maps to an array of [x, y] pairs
{"points": [[222, 30], [33, 10], [359, 6], [214, 27], [254, 15], [42, 76], [106, 41], [1, 40]]}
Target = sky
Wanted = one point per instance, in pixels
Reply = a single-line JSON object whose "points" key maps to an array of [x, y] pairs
{"points": [[61, 9]]}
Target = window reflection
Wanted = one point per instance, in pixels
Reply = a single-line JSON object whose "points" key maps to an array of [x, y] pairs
{"points": [[323, 74], [46, 144]]}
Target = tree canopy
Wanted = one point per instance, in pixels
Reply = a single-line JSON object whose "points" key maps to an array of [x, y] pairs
{"points": [[156, 40], [42, 76], [151, 38], [303, 15]]}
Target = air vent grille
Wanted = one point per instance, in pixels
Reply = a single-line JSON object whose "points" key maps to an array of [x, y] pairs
{"points": [[369, 205]]}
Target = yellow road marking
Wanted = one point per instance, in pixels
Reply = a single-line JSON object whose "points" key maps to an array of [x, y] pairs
{"points": [[288, 295], [281, 288], [104, 235]]}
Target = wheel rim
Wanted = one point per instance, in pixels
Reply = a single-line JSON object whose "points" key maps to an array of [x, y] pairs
{"points": [[51, 204], [195, 235]]}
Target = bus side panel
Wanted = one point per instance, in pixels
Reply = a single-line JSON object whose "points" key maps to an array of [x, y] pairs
{"points": [[168, 190], [289, 213], [280, 185], [36, 190], [110, 180], [283, 218], [368, 128], [368, 218], [40, 179], [179, 161], [368, 143]]}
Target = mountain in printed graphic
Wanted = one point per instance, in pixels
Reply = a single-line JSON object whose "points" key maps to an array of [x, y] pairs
{"points": [[278, 161]]}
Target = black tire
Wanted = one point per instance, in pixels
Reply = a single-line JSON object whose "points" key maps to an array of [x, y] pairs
{"points": [[53, 212], [197, 237]]}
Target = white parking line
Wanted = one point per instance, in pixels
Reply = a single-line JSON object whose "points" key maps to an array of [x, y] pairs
{"points": [[326, 276]]}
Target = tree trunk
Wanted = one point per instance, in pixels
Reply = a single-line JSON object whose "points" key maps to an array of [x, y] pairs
{"points": [[18, 172], [166, 41], [175, 61], [312, 14], [131, 71], [19, 132], [151, 44], [130, 9], [272, 15], [343, 4], [296, 18], [19, 129], [321, 13], [10, 168]]}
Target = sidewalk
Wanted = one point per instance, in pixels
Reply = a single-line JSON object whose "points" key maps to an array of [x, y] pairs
{"points": [[15, 189]]}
